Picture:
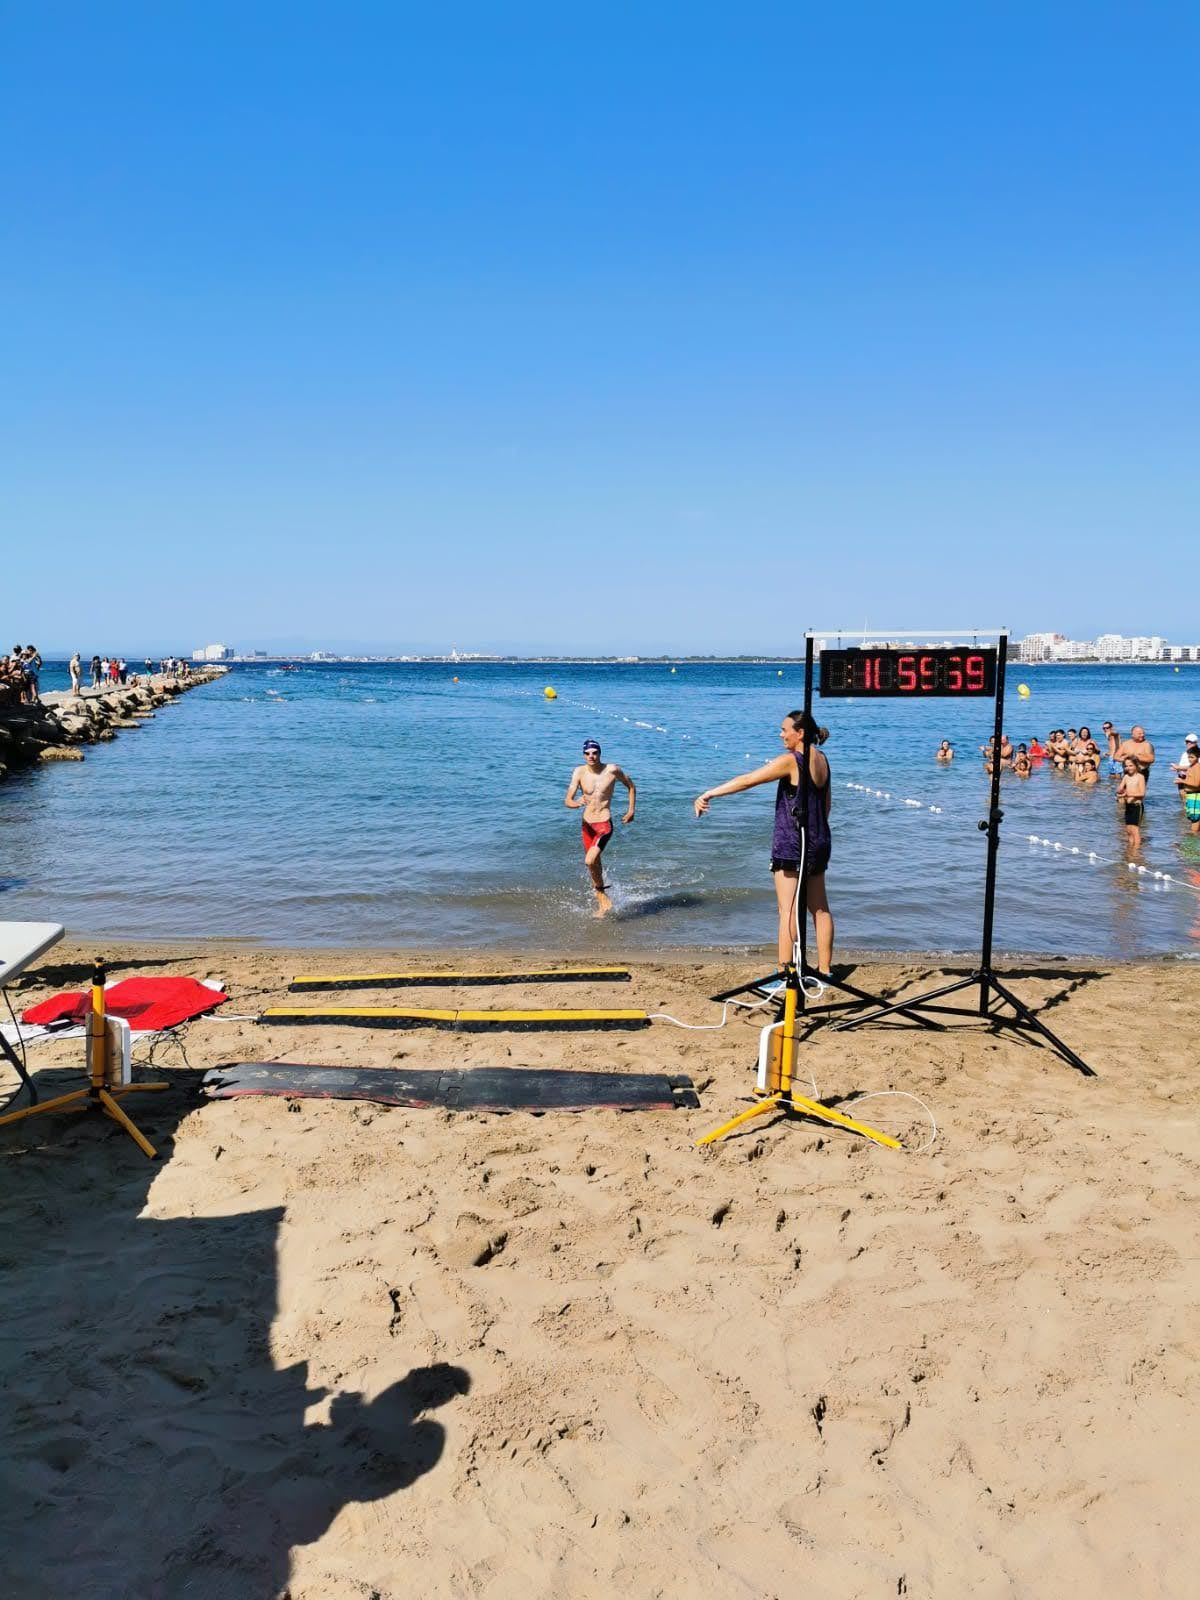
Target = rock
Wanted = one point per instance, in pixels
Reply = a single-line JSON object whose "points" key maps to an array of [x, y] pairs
{"points": [[60, 752]]}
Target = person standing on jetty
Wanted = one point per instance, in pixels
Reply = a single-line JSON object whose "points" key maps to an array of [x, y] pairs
{"points": [[801, 737], [594, 783]]}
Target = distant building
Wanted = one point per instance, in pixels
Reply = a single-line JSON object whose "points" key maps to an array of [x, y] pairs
{"points": [[1107, 647], [213, 652], [1074, 650], [1038, 646]]}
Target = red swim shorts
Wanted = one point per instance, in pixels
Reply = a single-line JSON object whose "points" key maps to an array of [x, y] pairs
{"points": [[596, 833]]}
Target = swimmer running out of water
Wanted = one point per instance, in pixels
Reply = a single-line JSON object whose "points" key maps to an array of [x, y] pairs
{"points": [[591, 790]]}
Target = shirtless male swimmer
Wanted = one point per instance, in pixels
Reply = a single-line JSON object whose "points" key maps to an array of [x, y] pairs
{"points": [[595, 781]]}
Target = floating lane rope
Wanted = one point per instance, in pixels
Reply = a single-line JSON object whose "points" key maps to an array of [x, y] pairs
{"points": [[1159, 878]]}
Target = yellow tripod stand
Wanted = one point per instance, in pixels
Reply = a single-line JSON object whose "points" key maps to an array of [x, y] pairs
{"points": [[782, 1096], [97, 1096]]}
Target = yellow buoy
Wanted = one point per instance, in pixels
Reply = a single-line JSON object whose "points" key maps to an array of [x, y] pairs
{"points": [[672, 669], [551, 694], [454, 680], [1023, 690], [779, 674]]}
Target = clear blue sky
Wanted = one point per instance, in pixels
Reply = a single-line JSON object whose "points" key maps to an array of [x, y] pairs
{"points": [[614, 328]]}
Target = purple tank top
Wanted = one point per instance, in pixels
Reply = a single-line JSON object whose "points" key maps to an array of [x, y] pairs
{"points": [[785, 841]]}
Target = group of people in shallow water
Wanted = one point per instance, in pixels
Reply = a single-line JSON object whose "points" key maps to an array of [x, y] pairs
{"points": [[803, 783], [1074, 750]]}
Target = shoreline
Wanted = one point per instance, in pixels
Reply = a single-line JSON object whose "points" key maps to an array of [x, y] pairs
{"points": [[58, 723], [761, 956]]}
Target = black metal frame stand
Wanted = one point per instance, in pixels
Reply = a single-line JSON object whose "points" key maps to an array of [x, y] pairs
{"points": [[14, 1059], [990, 986]]}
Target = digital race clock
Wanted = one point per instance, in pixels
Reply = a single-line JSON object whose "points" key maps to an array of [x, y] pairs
{"points": [[908, 672]]}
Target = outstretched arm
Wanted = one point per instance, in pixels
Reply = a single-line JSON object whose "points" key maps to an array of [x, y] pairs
{"points": [[781, 767]]}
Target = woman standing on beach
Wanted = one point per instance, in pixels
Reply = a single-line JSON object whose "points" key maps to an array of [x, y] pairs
{"points": [[798, 732]]}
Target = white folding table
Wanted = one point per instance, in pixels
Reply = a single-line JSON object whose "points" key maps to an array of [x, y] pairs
{"points": [[21, 943]]}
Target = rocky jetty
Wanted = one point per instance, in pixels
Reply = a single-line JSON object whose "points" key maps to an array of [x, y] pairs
{"points": [[60, 724]]}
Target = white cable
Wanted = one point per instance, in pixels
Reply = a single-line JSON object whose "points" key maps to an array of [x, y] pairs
{"points": [[695, 1027], [902, 1094]]}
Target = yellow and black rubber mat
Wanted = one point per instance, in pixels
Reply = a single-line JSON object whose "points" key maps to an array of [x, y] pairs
{"points": [[479, 1089], [421, 980], [464, 1021]]}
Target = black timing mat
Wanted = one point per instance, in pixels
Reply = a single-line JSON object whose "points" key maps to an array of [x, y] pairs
{"points": [[479, 1089], [426, 980]]}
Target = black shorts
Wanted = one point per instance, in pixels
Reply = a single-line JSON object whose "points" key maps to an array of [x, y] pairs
{"points": [[816, 867], [1134, 810]]}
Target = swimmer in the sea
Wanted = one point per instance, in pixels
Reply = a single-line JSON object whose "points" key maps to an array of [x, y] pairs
{"points": [[591, 790], [1131, 791], [1189, 788]]}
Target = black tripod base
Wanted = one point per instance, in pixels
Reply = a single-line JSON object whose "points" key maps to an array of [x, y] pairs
{"points": [[861, 997], [989, 987]]}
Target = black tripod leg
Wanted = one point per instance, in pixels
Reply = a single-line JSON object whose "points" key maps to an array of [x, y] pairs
{"points": [[1030, 1020], [7, 1050], [914, 1003], [747, 988], [873, 999]]}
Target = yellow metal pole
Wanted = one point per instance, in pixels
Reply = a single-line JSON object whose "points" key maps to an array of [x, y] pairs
{"points": [[45, 1105], [135, 1133], [772, 1103], [788, 1039], [98, 1044], [815, 1108]]}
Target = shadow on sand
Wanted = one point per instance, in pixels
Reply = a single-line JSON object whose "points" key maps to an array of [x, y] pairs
{"points": [[152, 1449]]}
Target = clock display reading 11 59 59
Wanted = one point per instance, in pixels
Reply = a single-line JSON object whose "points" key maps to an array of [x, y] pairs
{"points": [[909, 672]]}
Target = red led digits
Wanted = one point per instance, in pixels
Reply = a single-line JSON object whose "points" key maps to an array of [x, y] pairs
{"points": [[901, 673]]}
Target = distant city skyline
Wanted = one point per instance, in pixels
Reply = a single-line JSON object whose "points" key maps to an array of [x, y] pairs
{"points": [[1030, 647]]}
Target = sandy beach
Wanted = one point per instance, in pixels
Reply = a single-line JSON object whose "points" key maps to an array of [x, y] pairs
{"points": [[332, 1350]]}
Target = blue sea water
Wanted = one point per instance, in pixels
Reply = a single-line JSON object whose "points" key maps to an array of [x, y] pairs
{"points": [[389, 805]]}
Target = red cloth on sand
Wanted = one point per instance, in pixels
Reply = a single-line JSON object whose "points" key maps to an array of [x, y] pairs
{"points": [[147, 1004]]}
